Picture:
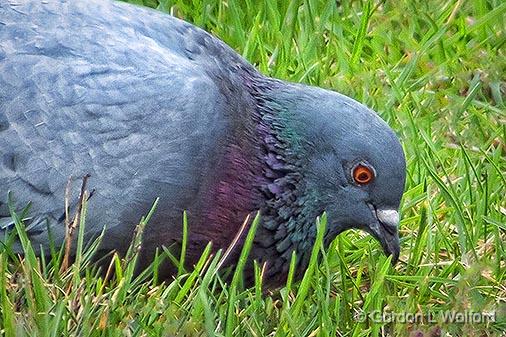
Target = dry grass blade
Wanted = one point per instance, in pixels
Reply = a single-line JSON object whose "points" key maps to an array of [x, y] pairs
{"points": [[234, 242]]}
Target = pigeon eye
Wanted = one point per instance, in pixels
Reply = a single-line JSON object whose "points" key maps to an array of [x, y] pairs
{"points": [[362, 174]]}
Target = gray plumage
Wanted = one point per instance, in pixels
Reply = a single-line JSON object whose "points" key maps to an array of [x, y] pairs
{"points": [[151, 106]]}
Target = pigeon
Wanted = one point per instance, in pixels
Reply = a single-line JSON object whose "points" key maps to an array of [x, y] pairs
{"points": [[150, 106]]}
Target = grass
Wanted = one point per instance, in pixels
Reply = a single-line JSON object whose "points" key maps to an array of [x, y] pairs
{"points": [[435, 70]]}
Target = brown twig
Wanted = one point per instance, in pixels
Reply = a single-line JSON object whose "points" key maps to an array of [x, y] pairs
{"points": [[71, 226]]}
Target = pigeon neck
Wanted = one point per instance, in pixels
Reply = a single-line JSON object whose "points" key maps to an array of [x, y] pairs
{"points": [[288, 210]]}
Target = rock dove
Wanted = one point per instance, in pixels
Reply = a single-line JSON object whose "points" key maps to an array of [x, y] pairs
{"points": [[151, 106]]}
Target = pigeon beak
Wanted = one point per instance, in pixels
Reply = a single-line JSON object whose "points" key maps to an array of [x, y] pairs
{"points": [[386, 231]]}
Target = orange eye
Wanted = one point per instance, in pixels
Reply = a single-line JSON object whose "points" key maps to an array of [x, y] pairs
{"points": [[362, 174]]}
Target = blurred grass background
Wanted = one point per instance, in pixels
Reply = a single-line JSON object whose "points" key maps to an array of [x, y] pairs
{"points": [[436, 72]]}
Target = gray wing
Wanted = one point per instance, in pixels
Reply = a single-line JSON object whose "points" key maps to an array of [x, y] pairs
{"points": [[109, 90]]}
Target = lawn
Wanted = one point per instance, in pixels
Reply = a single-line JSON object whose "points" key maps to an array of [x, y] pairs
{"points": [[436, 72]]}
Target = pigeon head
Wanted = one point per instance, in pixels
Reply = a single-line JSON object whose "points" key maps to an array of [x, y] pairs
{"points": [[352, 163]]}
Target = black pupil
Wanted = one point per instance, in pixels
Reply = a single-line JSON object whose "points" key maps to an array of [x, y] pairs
{"points": [[363, 176]]}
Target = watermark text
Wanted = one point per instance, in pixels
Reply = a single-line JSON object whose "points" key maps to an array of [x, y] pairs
{"points": [[448, 316]]}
